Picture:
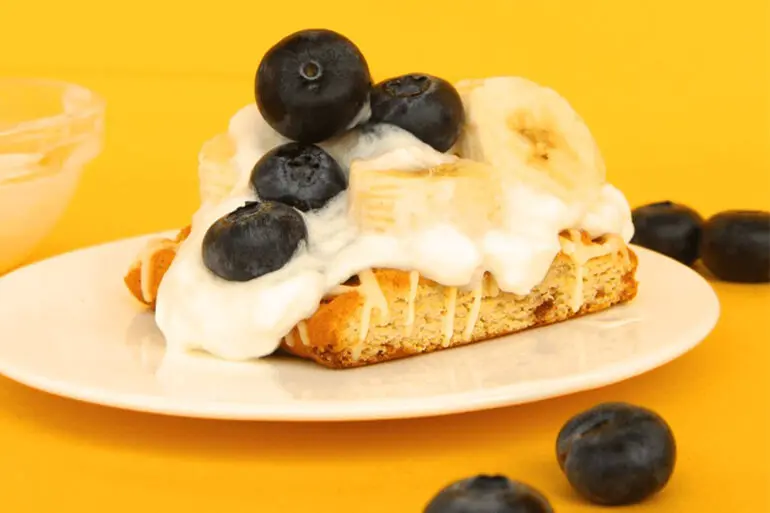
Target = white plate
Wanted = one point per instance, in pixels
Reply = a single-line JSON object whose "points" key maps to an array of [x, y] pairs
{"points": [[68, 326]]}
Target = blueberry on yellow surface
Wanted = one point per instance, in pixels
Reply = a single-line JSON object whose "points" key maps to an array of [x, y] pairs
{"points": [[669, 228], [736, 246], [616, 453], [488, 494]]}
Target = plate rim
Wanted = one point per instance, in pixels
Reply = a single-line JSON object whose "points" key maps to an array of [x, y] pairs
{"points": [[365, 410]]}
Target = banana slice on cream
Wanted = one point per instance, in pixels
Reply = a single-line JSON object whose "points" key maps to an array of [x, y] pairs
{"points": [[217, 173], [438, 189], [532, 134]]}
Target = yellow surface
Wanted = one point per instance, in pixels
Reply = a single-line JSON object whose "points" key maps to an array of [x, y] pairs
{"points": [[678, 96]]}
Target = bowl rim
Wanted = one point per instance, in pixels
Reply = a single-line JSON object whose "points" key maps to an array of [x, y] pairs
{"points": [[94, 107]]}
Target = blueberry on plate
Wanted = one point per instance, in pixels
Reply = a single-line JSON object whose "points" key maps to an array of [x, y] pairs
{"points": [[253, 240], [668, 228], [736, 246], [429, 107], [488, 494], [300, 175], [616, 453], [312, 85]]}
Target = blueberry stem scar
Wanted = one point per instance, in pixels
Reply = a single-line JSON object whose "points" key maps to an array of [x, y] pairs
{"points": [[311, 70]]}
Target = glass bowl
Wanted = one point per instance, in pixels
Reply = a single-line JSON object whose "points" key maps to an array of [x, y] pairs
{"points": [[49, 130]]}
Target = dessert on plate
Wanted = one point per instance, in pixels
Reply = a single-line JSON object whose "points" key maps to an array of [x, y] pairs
{"points": [[350, 223]]}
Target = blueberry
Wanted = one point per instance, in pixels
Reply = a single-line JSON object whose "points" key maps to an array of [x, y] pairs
{"points": [[253, 240], [428, 107], [488, 494], [300, 175], [616, 453], [736, 246], [312, 85], [669, 228]]}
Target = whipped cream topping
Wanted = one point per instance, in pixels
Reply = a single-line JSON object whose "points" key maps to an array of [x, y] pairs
{"points": [[242, 320], [254, 137]]}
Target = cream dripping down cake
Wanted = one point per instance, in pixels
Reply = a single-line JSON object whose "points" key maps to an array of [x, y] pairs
{"points": [[352, 223]]}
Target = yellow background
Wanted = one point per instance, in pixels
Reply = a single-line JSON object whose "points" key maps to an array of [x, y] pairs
{"points": [[678, 97]]}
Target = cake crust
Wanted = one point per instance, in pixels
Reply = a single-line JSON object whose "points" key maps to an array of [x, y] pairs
{"points": [[387, 314]]}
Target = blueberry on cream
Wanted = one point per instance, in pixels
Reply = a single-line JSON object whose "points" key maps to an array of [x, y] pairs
{"points": [[253, 240], [429, 107], [302, 176], [312, 85]]}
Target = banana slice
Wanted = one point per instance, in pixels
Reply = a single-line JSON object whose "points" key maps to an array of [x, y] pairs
{"points": [[532, 133], [398, 200], [225, 162], [217, 173]]}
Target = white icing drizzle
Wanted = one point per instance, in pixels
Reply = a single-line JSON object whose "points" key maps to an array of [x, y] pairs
{"points": [[473, 313], [373, 298], [145, 264], [340, 290], [303, 334], [580, 254], [414, 280], [356, 350], [449, 316], [493, 289], [577, 298]]}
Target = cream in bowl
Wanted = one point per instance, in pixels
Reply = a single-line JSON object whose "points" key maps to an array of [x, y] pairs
{"points": [[49, 131]]}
